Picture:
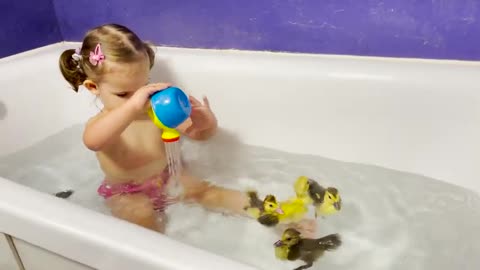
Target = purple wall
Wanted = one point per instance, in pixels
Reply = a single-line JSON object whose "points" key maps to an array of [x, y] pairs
{"points": [[398, 28], [27, 24]]}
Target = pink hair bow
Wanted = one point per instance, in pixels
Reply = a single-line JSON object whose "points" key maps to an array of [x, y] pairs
{"points": [[96, 57]]}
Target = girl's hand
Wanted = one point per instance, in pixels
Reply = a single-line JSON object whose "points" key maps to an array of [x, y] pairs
{"points": [[140, 99], [204, 122]]}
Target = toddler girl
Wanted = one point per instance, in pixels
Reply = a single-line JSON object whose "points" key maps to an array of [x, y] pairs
{"points": [[114, 64]]}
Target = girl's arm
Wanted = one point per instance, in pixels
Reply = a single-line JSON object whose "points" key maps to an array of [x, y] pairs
{"points": [[203, 135], [202, 123], [106, 127]]}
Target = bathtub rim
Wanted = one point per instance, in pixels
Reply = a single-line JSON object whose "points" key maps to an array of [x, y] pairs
{"points": [[266, 53], [83, 241]]}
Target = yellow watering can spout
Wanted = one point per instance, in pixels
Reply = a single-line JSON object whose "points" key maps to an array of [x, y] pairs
{"points": [[168, 134]]}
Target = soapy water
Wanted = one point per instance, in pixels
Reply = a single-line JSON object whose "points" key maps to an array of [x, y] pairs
{"points": [[389, 219]]}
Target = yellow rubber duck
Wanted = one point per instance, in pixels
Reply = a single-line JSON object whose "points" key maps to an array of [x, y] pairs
{"points": [[326, 201], [293, 247]]}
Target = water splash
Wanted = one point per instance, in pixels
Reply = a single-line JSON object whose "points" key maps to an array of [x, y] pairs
{"points": [[174, 161]]}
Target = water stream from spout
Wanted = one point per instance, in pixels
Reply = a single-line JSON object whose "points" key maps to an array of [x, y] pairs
{"points": [[174, 159]]}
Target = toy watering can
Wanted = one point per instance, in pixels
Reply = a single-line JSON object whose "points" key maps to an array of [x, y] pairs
{"points": [[170, 107]]}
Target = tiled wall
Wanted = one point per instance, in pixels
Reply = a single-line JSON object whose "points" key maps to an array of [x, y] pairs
{"points": [[397, 28]]}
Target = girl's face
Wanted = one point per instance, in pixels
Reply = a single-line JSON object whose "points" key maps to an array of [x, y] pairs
{"points": [[121, 81]]}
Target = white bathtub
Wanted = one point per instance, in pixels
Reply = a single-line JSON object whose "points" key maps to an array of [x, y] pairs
{"points": [[416, 116]]}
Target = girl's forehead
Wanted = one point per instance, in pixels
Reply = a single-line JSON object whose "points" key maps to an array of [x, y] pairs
{"points": [[136, 68], [127, 75]]}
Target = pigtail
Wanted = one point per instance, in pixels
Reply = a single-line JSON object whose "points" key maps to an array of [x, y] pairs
{"points": [[149, 48], [71, 69]]}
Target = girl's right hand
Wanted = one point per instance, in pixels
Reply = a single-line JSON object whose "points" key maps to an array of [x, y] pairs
{"points": [[140, 99]]}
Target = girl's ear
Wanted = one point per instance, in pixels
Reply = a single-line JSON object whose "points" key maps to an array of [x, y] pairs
{"points": [[91, 86]]}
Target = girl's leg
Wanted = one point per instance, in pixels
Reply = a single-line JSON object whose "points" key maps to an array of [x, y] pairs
{"points": [[232, 201], [214, 197], [136, 208]]}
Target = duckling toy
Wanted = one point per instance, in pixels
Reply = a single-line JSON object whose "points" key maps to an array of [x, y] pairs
{"points": [[293, 247], [327, 201], [270, 213]]}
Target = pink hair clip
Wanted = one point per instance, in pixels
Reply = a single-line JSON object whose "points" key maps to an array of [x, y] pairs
{"points": [[96, 57]]}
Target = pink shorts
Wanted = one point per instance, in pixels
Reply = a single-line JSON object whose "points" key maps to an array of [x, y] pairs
{"points": [[154, 188]]}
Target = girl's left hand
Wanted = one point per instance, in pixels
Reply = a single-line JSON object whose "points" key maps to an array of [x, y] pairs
{"points": [[202, 117]]}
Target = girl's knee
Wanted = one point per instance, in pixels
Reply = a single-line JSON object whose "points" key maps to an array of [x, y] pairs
{"points": [[135, 209], [200, 192]]}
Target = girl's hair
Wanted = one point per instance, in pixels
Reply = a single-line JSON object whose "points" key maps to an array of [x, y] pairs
{"points": [[118, 44]]}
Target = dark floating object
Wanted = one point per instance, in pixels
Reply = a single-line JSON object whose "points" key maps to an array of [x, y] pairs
{"points": [[64, 194]]}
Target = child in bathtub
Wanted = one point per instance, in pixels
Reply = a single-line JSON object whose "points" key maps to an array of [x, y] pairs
{"points": [[114, 64]]}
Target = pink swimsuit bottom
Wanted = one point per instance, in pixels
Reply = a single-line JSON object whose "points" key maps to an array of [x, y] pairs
{"points": [[154, 188]]}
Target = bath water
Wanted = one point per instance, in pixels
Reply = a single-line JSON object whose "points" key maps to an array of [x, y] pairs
{"points": [[389, 219]]}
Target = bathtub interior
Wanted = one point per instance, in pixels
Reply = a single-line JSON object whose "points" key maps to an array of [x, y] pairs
{"points": [[375, 223], [388, 215]]}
